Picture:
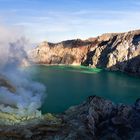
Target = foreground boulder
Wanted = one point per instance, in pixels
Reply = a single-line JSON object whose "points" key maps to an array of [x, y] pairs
{"points": [[97, 118]]}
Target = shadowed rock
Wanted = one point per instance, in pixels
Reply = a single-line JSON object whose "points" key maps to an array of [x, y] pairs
{"points": [[4, 82], [113, 51], [97, 118]]}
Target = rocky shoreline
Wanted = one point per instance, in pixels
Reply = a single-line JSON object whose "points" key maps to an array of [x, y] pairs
{"points": [[112, 51], [96, 118]]}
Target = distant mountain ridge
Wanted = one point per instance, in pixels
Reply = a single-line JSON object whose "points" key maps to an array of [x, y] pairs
{"points": [[113, 51]]}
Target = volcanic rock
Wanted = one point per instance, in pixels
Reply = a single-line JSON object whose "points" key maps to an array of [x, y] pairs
{"points": [[97, 118], [113, 51]]}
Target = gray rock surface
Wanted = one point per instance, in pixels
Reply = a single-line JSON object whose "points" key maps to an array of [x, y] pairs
{"points": [[97, 118]]}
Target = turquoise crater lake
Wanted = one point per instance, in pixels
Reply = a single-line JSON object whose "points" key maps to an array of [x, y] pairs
{"points": [[68, 86]]}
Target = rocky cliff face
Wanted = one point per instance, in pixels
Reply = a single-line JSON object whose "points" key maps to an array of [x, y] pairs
{"points": [[114, 51]]}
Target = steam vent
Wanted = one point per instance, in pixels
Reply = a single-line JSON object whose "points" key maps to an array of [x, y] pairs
{"points": [[9, 112]]}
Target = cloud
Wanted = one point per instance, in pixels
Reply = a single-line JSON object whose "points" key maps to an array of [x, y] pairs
{"points": [[56, 26], [59, 24]]}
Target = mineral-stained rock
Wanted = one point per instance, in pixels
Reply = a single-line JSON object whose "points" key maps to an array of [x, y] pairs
{"points": [[97, 118], [113, 51], [4, 82]]}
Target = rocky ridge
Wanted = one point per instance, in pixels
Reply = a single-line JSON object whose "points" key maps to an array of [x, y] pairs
{"points": [[113, 51], [97, 118]]}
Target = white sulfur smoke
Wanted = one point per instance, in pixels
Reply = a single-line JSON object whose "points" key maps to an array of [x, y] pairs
{"points": [[27, 98]]}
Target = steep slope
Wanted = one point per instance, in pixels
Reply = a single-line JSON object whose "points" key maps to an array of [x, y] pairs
{"points": [[114, 51], [95, 119]]}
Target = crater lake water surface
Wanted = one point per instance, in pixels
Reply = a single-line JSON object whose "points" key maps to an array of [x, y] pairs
{"points": [[68, 86]]}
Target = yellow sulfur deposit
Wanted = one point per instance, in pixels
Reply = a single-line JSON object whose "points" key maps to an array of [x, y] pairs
{"points": [[15, 107], [7, 118]]}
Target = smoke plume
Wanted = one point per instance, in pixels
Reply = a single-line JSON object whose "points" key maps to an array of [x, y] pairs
{"points": [[21, 95]]}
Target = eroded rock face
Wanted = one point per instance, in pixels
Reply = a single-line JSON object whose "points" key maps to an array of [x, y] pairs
{"points": [[114, 51], [67, 52], [97, 118]]}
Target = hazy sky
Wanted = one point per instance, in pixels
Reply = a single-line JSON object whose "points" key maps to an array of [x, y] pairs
{"points": [[56, 20]]}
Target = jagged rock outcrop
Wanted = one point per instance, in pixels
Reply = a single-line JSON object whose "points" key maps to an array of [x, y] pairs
{"points": [[97, 118], [114, 51]]}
